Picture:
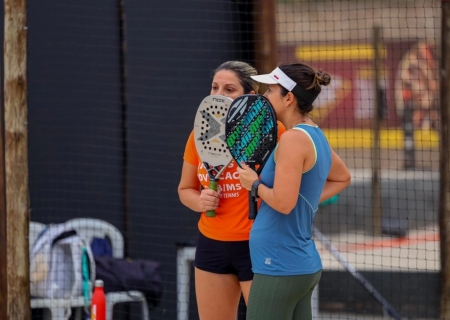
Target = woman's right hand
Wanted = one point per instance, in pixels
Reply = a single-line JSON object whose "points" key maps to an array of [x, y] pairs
{"points": [[209, 200], [191, 193]]}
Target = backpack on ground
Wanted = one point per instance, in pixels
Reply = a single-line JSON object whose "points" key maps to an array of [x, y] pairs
{"points": [[61, 264], [126, 275]]}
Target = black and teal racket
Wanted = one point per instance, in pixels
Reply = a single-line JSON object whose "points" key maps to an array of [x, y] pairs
{"points": [[209, 136], [251, 130]]}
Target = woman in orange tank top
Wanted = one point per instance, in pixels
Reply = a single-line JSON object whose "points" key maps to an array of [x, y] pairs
{"points": [[222, 262]]}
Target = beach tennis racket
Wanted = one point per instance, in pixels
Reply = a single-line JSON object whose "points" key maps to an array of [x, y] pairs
{"points": [[251, 135], [209, 136]]}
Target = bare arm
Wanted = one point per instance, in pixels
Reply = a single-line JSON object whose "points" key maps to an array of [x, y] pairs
{"points": [[295, 152], [190, 193], [294, 155], [338, 178]]}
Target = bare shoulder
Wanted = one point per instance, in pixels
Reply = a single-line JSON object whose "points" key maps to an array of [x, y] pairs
{"points": [[294, 142], [295, 136]]}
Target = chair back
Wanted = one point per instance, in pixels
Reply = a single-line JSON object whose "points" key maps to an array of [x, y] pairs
{"points": [[90, 228], [35, 229]]}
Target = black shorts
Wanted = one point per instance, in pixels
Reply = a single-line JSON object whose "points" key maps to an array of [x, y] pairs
{"points": [[224, 257]]}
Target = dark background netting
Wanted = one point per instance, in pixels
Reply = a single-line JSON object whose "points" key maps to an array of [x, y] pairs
{"points": [[107, 130]]}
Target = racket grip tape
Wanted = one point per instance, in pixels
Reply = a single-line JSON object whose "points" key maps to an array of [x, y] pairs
{"points": [[213, 186], [252, 207]]}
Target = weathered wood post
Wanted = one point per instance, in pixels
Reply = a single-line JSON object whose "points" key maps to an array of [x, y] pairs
{"points": [[16, 160]]}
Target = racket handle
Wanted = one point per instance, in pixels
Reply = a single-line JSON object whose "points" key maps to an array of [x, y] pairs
{"points": [[252, 206], [213, 186]]}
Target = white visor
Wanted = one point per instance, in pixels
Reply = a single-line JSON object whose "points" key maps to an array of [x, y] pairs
{"points": [[276, 77], [279, 77]]}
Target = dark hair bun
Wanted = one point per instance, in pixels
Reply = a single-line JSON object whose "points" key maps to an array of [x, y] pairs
{"points": [[322, 78]]}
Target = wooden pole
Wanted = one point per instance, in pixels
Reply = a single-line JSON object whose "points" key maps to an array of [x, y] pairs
{"points": [[444, 167], [266, 45], [16, 160], [376, 188], [3, 230]]}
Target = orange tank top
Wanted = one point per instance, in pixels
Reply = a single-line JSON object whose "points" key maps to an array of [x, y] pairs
{"points": [[231, 222]]}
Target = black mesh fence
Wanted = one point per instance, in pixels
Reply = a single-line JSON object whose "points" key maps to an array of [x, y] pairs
{"points": [[113, 90]]}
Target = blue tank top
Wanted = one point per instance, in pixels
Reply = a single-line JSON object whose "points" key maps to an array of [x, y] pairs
{"points": [[280, 244]]}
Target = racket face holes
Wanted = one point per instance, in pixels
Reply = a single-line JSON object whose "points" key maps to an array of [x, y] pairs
{"points": [[209, 128]]}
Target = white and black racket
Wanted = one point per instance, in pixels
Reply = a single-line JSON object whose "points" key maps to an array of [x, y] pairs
{"points": [[209, 136], [251, 130]]}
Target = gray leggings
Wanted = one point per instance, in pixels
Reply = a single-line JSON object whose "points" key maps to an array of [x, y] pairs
{"points": [[281, 298]]}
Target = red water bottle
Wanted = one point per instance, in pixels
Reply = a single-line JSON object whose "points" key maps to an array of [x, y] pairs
{"points": [[98, 306]]}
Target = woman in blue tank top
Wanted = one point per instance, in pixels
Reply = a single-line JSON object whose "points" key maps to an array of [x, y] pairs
{"points": [[302, 172]]}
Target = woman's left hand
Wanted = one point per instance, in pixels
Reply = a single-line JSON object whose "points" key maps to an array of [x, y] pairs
{"points": [[247, 176]]}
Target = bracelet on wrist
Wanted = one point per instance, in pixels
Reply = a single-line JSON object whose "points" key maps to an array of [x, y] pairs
{"points": [[254, 189]]}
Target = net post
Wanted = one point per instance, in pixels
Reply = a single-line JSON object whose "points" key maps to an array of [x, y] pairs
{"points": [[376, 192], [444, 164], [124, 126], [266, 45]]}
